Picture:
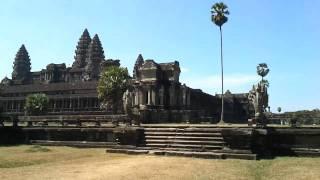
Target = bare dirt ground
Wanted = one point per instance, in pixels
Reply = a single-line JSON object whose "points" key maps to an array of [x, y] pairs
{"points": [[27, 162]]}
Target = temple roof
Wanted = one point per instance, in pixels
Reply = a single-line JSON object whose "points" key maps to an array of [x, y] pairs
{"points": [[150, 64], [21, 64], [170, 66], [81, 50]]}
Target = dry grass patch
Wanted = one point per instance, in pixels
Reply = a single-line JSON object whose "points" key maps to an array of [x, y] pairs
{"points": [[17, 162]]}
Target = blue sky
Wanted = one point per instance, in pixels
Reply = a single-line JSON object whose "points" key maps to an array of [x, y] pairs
{"points": [[283, 34]]}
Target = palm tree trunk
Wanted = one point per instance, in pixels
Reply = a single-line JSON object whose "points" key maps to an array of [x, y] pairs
{"points": [[222, 91]]}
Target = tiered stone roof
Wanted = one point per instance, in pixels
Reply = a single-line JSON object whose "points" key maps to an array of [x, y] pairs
{"points": [[95, 56], [137, 65], [81, 50], [21, 65]]}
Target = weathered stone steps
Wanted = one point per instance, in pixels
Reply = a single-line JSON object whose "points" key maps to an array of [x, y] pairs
{"points": [[194, 139], [184, 137], [177, 141], [203, 134], [207, 155], [184, 129], [83, 144], [189, 146], [233, 151]]}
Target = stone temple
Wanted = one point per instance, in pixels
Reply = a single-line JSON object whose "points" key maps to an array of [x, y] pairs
{"points": [[158, 95]]}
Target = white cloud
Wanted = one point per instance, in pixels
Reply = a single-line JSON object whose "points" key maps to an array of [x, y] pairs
{"points": [[236, 83], [184, 70]]}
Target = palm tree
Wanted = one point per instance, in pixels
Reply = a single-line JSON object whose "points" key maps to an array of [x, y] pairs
{"points": [[218, 17], [279, 109]]}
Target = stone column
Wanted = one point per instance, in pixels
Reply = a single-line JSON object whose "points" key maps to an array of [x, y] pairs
{"points": [[161, 95], [188, 97], [184, 96], [172, 95], [141, 97], [64, 103], [136, 97], [78, 105], [12, 106], [87, 102], [4, 105], [153, 95], [19, 105], [149, 96], [54, 105], [70, 105]]}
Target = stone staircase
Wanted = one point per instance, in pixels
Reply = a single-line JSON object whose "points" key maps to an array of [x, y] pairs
{"points": [[187, 139], [200, 142]]}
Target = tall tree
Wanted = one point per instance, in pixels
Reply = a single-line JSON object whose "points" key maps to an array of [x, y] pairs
{"points": [[111, 86], [219, 12]]}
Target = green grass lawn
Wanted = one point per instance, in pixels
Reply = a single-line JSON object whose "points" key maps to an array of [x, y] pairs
{"points": [[40, 162]]}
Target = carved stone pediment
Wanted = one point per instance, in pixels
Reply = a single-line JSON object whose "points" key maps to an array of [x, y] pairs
{"points": [[6, 81], [150, 64]]}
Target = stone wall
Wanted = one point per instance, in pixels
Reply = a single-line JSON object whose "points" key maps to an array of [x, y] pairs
{"points": [[119, 135]]}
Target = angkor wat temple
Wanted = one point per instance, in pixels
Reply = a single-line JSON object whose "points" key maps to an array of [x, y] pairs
{"points": [[158, 94]]}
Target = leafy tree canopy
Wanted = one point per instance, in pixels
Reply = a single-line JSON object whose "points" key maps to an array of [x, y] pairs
{"points": [[36, 104], [218, 13], [112, 84]]}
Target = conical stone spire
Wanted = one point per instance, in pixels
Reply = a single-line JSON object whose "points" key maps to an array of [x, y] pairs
{"points": [[138, 64], [95, 56], [21, 65], [81, 50]]}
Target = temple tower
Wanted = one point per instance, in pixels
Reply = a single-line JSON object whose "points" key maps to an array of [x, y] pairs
{"points": [[95, 56], [21, 66], [81, 50], [137, 65]]}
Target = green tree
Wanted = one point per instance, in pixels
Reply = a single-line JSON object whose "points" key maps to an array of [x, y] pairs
{"points": [[219, 12], [111, 86], [37, 104]]}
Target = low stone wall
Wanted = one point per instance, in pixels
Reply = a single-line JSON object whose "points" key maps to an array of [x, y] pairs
{"points": [[120, 135], [287, 141], [238, 138], [11, 135], [264, 142], [270, 142]]}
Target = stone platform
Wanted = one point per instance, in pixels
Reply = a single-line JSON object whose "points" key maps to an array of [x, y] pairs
{"points": [[191, 140]]}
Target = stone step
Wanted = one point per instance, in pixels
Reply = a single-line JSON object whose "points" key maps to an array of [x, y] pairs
{"points": [[207, 155], [233, 151], [306, 152], [184, 137], [83, 144], [177, 141], [184, 134], [187, 146], [127, 151], [183, 129]]}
